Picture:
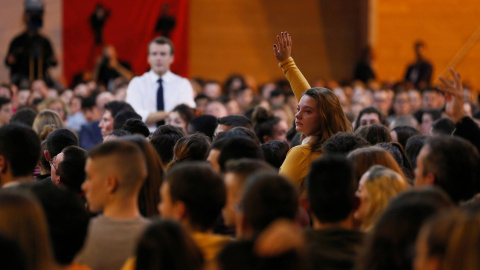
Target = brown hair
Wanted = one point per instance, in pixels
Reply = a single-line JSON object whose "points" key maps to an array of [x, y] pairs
{"points": [[24, 222], [193, 147], [364, 158], [332, 117], [47, 117]]}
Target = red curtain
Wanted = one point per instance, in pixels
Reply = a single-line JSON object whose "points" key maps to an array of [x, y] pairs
{"points": [[129, 28]]}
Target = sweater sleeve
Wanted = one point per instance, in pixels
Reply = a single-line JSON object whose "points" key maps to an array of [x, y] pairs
{"points": [[297, 81], [295, 166]]}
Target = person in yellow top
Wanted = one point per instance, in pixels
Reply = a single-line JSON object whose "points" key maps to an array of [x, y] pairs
{"points": [[319, 115]]}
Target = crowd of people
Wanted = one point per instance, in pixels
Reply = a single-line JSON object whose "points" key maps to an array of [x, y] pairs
{"points": [[161, 172]]}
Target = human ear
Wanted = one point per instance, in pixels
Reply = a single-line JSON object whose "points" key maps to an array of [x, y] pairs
{"points": [[112, 183], [179, 210], [47, 155]]}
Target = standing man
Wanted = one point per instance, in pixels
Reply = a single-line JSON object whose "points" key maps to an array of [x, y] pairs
{"points": [[158, 91]]}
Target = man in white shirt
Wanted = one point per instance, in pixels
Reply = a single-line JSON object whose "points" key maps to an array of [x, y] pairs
{"points": [[158, 91]]}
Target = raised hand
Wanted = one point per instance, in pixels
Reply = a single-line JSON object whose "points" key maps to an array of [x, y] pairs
{"points": [[283, 49], [454, 95]]}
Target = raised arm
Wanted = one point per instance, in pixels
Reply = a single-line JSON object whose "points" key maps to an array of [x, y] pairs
{"points": [[283, 52]]}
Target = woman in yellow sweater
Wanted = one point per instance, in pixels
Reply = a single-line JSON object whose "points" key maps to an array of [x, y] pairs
{"points": [[319, 115]]}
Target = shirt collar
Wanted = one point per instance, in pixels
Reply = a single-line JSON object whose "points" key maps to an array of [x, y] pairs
{"points": [[166, 77]]}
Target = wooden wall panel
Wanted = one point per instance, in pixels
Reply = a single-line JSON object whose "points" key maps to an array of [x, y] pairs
{"points": [[444, 25], [236, 36]]}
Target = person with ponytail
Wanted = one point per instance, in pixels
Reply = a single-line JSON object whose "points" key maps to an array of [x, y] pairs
{"points": [[268, 127]]}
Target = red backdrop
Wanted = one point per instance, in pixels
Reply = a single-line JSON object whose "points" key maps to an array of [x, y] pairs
{"points": [[129, 28]]}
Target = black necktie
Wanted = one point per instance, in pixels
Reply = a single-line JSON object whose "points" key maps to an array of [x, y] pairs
{"points": [[160, 105]]}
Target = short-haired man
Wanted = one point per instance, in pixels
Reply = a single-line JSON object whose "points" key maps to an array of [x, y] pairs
{"points": [[331, 186], [19, 154], [196, 202], [450, 163], [158, 91], [56, 142], [90, 133], [228, 122], [112, 108], [115, 171], [164, 140]]}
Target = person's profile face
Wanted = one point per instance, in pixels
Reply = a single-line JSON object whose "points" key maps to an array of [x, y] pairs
{"points": [[165, 207], [362, 195], [160, 58], [307, 118], [54, 165], [280, 131], [106, 124], [420, 179], [94, 187], [5, 114], [213, 159], [233, 189]]}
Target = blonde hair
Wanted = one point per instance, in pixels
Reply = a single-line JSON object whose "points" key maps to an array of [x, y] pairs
{"points": [[23, 221], [454, 239], [45, 105], [332, 118], [47, 118], [382, 185]]}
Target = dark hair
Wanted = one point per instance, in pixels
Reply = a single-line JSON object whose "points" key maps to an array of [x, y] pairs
{"points": [[67, 220], [268, 196], [414, 145], [383, 119], [397, 152], [375, 133], [119, 133], [88, 103], [9, 87], [190, 148], [122, 117], [11, 255], [235, 120], [166, 245], [4, 101], [72, 169], [343, 143], [454, 162], [164, 139], [185, 112], [404, 133], [331, 188], [24, 116], [391, 244], [162, 41], [202, 96], [20, 146], [245, 167], [443, 126], [114, 107], [228, 86], [239, 147], [44, 164], [59, 139], [203, 195], [136, 126], [239, 132], [275, 152], [436, 114], [205, 124], [263, 122]]}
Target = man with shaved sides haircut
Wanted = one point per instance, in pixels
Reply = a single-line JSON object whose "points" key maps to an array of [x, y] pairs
{"points": [[115, 173]]}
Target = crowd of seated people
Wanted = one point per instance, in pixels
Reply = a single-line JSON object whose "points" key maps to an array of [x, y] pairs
{"points": [[288, 175]]}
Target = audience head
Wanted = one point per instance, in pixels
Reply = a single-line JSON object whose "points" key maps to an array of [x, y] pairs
{"points": [[343, 143], [236, 148], [192, 147], [66, 218], [24, 116], [46, 118], [112, 108], [58, 140], [136, 126], [166, 245], [368, 116], [5, 111], [28, 229], [397, 152], [377, 187], [19, 152], [180, 116], [450, 163], [375, 134], [205, 124], [236, 174], [413, 147], [428, 117], [116, 134], [331, 189], [401, 134], [366, 157], [70, 168], [443, 126], [122, 117], [263, 193], [197, 201], [239, 132], [164, 139], [114, 169], [275, 152], [228, 122], [268, 127]]}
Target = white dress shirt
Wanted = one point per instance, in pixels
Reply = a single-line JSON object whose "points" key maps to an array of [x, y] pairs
{"points": [[142, 93]]}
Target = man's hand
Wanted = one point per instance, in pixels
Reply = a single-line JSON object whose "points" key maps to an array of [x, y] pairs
{"points": [[454, 95], [283, 49]]}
